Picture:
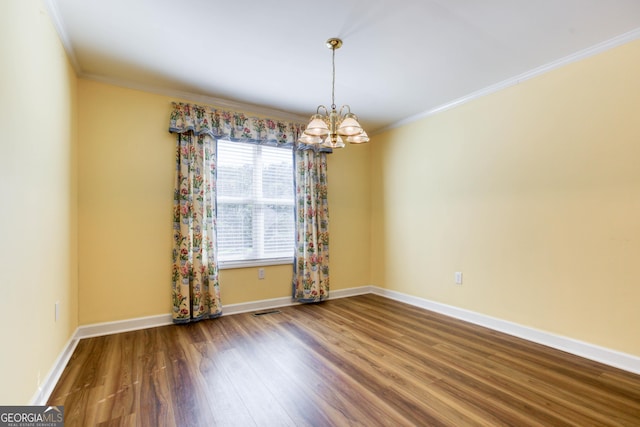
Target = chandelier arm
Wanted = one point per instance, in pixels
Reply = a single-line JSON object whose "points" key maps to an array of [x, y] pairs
{"points": [[341, 111], [322, 107]]}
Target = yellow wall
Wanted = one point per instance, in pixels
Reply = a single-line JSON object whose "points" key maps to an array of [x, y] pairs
{"points": [[123, 204], [533, 193], [349, 174], [126, 167], [38, 248]]}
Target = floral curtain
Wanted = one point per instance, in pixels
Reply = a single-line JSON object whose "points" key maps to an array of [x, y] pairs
{"points": [[233, 126], [311, 259], [195, 287], [195, 291]]}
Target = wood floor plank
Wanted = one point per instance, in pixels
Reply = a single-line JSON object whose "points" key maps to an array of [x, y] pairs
{"points": [[278, 367], [191, 407], [333, 388], [358, 361], [219, 389], [155, 398]]}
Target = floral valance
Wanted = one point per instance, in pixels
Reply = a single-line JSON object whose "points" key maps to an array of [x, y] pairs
{"points": [[234, 126]]}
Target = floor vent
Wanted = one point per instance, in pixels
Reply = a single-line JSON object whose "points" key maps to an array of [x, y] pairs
{"points": [[262, 313]]}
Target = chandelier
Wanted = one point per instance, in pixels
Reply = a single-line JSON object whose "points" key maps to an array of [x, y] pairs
{"points": [[329, 128]]}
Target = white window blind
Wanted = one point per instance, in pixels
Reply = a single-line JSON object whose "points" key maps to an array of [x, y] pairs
{"points": [[255, 204]]}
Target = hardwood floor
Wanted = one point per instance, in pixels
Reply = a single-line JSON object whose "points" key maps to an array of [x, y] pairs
{"points": [[365, 360]]}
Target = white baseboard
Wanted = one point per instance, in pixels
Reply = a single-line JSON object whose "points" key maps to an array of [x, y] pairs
{"points": [[108, 328], [51, 379], [593, 352], [609, 357], [266, 304]]}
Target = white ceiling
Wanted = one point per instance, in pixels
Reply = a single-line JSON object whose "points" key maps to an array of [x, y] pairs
{"points": [[400, 59]]}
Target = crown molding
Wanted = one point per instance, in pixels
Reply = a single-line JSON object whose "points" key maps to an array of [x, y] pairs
{"points": [[58, 24], [199, 98], [582, 54]]}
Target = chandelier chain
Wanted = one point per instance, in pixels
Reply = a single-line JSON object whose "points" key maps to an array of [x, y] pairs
{"points": [[333, 81]]}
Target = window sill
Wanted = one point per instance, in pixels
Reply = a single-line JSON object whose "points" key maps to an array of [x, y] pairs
{"points": [[228, 265]]}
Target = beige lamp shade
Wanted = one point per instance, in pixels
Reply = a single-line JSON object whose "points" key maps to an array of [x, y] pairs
{"points": [[334, 141], [358, 139], [349, 126], [317, 126]]}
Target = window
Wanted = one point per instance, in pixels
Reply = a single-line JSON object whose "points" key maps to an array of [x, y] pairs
{"points": [[255, 204]]}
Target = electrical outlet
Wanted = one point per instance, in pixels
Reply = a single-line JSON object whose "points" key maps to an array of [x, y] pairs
{"points": [[458, 277], [261, 273]]}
